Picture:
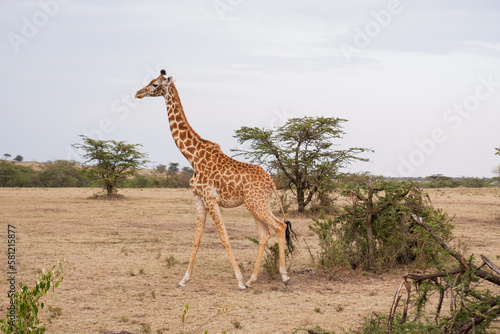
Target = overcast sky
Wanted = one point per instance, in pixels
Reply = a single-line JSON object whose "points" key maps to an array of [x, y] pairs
{"points": [[418, 81]]}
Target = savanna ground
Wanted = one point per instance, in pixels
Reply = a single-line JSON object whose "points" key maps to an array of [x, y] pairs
{"points": [[122, 276]]}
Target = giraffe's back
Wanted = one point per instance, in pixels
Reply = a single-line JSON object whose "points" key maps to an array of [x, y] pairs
{"points": [[229, 181]]}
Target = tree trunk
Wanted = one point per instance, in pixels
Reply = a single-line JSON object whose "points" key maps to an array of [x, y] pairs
{"points": [[369, 230], [109, 189], [301, 199]]}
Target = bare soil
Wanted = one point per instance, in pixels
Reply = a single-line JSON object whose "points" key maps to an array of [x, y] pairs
{"points": [[127, 256]]}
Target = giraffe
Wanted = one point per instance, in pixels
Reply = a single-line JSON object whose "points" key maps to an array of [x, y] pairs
{"points": [[220, 181]]}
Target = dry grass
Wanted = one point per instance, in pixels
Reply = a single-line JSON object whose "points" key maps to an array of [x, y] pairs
{"points": [[127, 256]]}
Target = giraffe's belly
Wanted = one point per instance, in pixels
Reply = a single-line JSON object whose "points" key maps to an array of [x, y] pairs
{"points": [[224, 197], [228, 198], [231, 202], [226, 194]]}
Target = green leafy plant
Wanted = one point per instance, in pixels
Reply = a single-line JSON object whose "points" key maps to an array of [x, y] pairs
{"points": [[170, 261], [28, 305], [184, 320], [375, 232], [184, 314]]}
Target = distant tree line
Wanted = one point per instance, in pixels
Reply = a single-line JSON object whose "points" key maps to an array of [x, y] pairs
{"points": [[18, 157], [442, 181], [162, 177], [68, 173]]}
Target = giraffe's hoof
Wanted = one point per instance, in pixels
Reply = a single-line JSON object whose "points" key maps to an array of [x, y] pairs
{"points": [[286, 281], [251, 281], [181, 285], [249, 284], [241, 288]]}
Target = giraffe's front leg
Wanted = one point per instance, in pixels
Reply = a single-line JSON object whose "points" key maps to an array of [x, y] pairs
{"points": [[215, 212], [200, 224]]}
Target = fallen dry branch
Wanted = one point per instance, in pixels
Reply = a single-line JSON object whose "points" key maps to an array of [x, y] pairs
{"points": [[490, 264], [397, 297], [486, 307], [468, 266], [418, 278]]}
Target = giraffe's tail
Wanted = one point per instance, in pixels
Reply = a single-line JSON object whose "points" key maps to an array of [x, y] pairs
{"points": [[289, 233], [278, 198]]}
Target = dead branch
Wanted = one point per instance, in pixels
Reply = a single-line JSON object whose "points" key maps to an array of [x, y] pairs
{"points": [[490, 264], [453, 294], [463, 262], [442, 289], [397, 297], [355, 194], [418, 278], [487, 309], [405, 308]]}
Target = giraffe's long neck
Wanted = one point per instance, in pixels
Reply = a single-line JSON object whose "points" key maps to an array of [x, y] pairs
{"points": [[186, 139]]}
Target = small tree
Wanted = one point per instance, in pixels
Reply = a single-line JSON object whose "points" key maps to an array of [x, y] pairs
{"points": [[187, 170], [161, 168], [375, 232], [18, 158], [173, 167], [110, 161], [6, 156], [302, 152]]}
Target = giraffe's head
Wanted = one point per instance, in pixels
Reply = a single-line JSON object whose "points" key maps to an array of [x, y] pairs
{"points": [[157, 87]]}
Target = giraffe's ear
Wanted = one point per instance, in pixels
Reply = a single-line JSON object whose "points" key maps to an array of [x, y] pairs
{"points": [[163, 72]]}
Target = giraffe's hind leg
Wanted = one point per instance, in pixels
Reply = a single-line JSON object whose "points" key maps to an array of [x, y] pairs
{"points": [[200, 224], [262, 212], [263, 231]]}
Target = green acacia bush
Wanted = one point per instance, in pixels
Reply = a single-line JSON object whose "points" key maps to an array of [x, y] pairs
{"points": [[374, 231]]}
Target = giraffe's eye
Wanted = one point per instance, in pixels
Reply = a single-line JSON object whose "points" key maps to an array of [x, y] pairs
{"points": [[155, 85]]}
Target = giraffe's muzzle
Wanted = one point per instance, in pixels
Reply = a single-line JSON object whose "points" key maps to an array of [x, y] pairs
{"points": [[139, 95]]}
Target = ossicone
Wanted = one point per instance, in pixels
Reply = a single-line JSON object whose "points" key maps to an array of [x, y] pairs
{"points": [[163, 72]]}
